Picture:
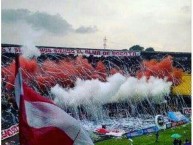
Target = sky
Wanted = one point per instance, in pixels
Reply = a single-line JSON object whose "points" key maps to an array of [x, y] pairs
{"points": [[164, 25]]}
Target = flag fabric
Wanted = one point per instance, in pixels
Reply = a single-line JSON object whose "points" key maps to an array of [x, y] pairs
{"points": [[102, 131], [41, 122]]}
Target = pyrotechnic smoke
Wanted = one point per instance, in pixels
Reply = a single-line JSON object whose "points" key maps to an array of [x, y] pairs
{"points": [[29, 68], [140, 89], [89, 91], [93, 82], [117, 88], [29, 37], [161, 69], [48, 73]]}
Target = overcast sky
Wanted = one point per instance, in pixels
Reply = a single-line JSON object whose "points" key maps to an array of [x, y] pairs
{"points": [[164, 25]]}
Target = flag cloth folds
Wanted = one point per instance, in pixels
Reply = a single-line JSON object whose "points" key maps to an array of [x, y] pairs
{"points": [[41, 122]]}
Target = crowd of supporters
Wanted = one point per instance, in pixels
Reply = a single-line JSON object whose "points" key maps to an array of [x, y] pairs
{"points": [[9, 109], [9, 112]]}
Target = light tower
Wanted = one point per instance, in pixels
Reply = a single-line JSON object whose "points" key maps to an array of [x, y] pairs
{"points": [[104, 42]]}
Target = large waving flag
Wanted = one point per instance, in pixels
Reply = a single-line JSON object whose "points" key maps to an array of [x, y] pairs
{"points": [[41, 122]]}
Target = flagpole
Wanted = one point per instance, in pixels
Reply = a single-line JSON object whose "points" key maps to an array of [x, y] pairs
{"points": [[17, 65]]}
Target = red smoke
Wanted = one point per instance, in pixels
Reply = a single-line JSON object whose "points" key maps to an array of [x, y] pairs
{"points": [[29, 67], [161, 69], [65, 72], [49, 73]]}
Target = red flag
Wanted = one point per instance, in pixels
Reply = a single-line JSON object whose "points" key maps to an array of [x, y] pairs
{"points": [[102, 131], [41, 122]]}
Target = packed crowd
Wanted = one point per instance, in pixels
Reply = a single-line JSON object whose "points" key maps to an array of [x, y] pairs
{"points": [[9, 114]]}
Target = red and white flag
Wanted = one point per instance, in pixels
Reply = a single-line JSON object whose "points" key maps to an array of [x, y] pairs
{"points": [[41, 122]]}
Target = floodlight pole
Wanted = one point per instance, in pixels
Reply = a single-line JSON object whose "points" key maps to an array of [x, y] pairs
{"points": [[104, 42]]}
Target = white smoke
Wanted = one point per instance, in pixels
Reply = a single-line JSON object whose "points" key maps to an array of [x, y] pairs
{"points": [[139, 89], [117, 88], [89, 91], [28, 38]]}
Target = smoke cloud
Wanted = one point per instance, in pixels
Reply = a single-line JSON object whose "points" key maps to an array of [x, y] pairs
{"points": [[117, 88], [161, 69], [135, 89], [66, 72], [29, 37]]}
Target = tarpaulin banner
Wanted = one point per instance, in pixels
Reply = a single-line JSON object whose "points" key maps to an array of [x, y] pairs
{"points": [[150, 130], [177, 123], [135, 133], [6, 133], [76, 51], [187, 111], [177, 117]]}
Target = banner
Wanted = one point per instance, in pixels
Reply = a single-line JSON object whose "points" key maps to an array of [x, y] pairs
{"points": [[6, 133], [150, 130], [135, 133], [177, 117], [142, 131], [187, 111], [76, 51], [177, 123]]}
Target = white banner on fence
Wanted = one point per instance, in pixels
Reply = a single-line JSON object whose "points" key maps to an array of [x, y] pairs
{"points": [[187, 111], [6, 133], [67, 51]]}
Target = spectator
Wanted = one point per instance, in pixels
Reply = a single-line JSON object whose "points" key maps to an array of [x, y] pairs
{"points": [[187, 142], [157, 136], [175, 142], [179, 142]]}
